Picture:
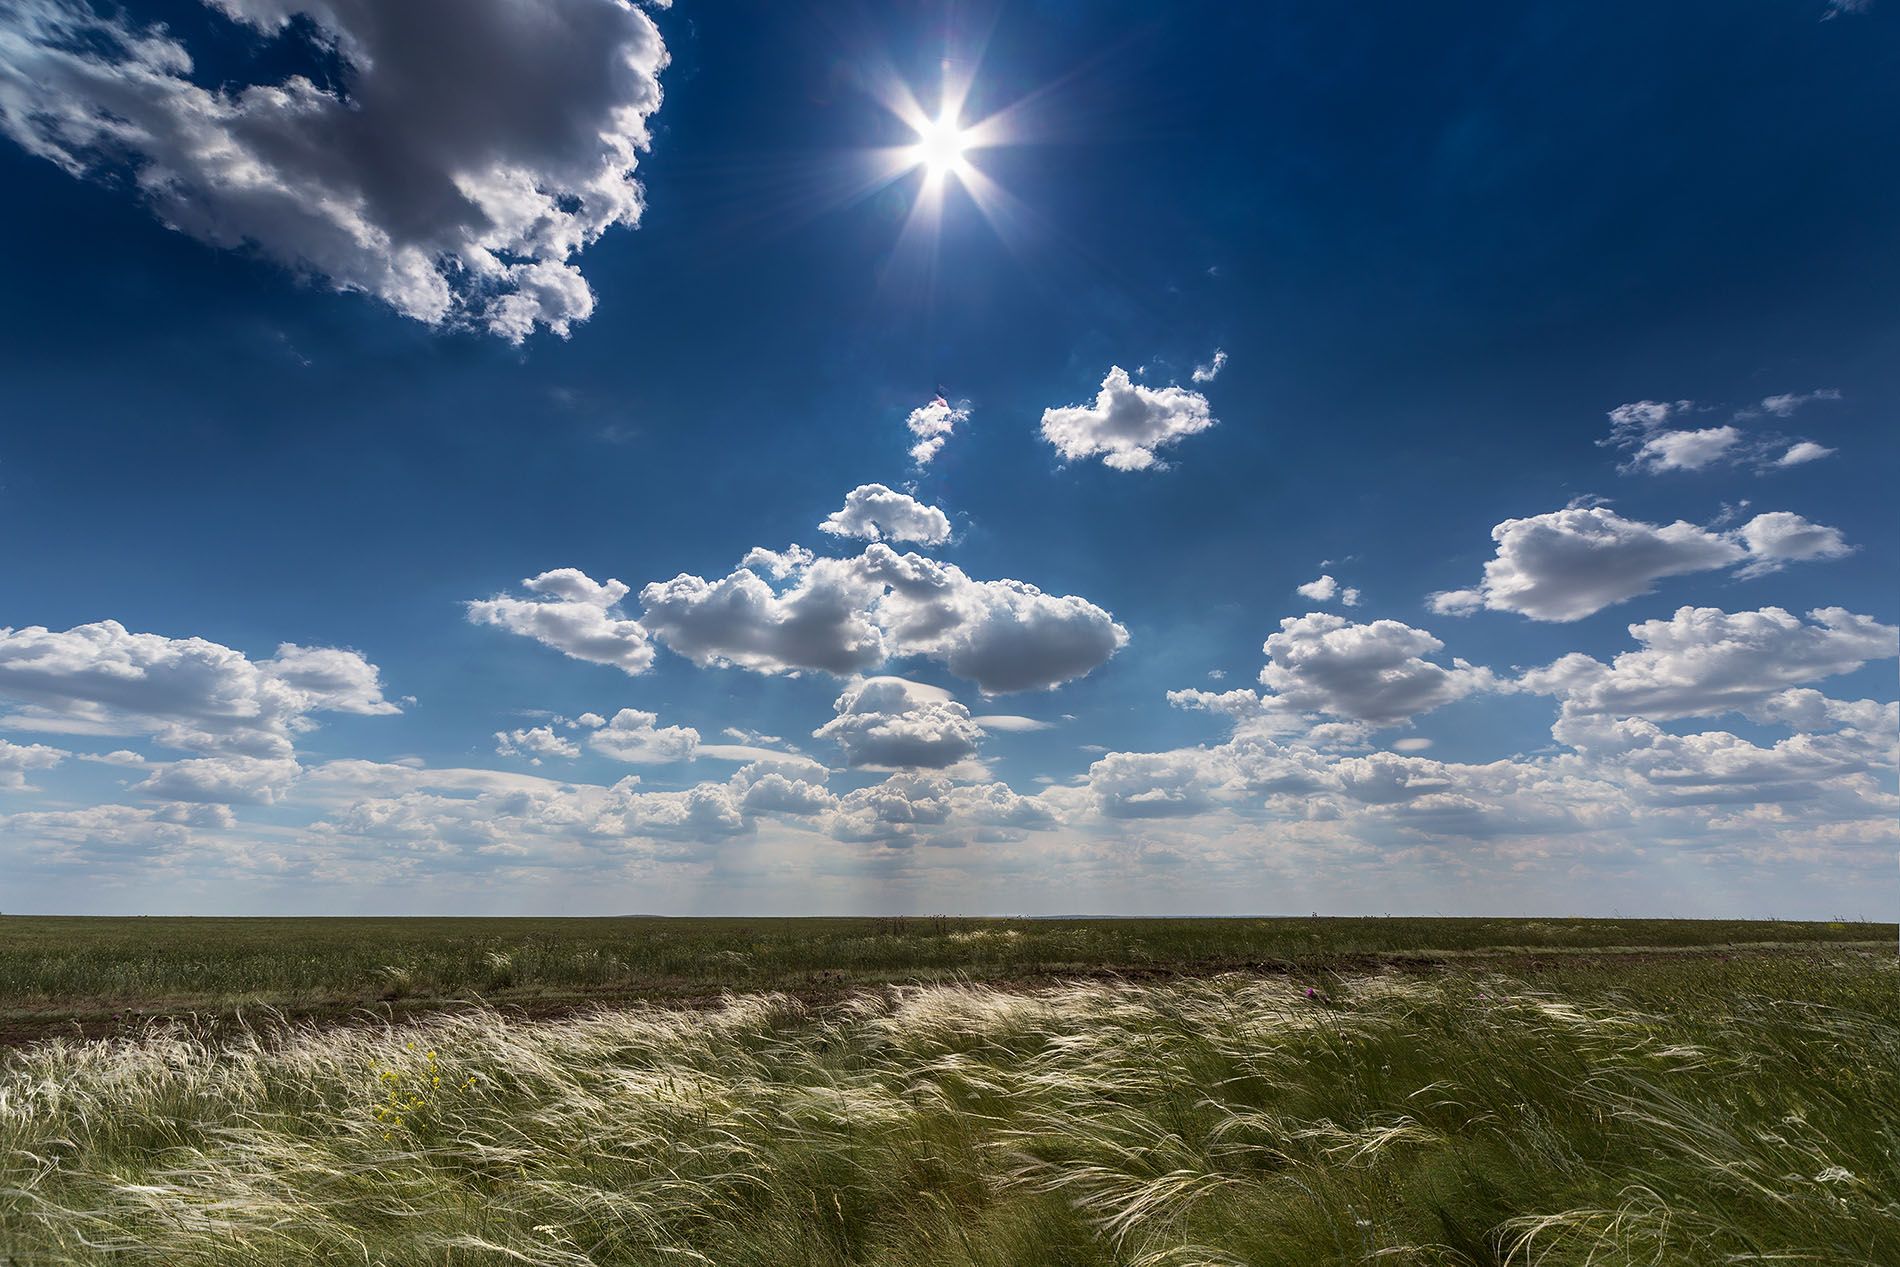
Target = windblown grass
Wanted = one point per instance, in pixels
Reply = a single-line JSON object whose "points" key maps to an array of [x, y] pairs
{"points": [[1685, 1112]]}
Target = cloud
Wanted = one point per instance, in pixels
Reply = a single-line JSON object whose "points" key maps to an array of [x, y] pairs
{"points": [[1803, 451], [472, 150], [523, 817], [331, 679], [1624, 779], [1828, 775], [1779, 538], [1011, 723], [893, 724], [637, 738], [874, 513], [1127, 423], [115, 837], [1655, 446], [1686, 450], [848, 616], [1806, 709], [822, 621], [1325, 589], [575, 615], [1642, 427], [1574, 562], [1236, 704], [1639, 418], [1374, 673], [1156, 784], [1209, 372], [187, 693], [539, 742], [932, 425], [1789, 403], [773, 792], [1704, 661], [910, 807], [19, 760], [232, 780]]}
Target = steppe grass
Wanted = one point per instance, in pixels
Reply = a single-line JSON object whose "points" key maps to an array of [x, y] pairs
{"points": [[61, 968], [1678, 1110]]}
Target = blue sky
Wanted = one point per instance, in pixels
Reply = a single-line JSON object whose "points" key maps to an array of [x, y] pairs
{"points": [[425, 342]]}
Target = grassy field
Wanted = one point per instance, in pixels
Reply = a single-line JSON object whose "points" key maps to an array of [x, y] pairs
{"points": [[57, 974], [1689, 1108]]}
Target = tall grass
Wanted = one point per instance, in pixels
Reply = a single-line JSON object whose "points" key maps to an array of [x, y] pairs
{"points": [[1746, 1112]]}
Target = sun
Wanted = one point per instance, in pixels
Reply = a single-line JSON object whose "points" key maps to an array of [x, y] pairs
{"points": [[940, 146]]}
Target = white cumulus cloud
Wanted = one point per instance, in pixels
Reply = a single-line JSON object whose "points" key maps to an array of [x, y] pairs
{"points": [[187, 693], [471, 151], [1703, 661], [1779, 538], [576, 615], [1325, 589], [932, 424], [19, 760], [1375, 673], [638, 739], [873, 512], [1127, 423], [891, 723], [534, 743], [224, 780], [847, 616], [1574, 562]]}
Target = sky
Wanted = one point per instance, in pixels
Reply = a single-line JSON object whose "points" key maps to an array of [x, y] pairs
{"points": [[493, 457]]}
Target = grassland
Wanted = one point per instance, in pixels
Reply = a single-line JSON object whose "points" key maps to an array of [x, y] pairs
{"points": [[924, 1091], [97, 976], [1690, 1108]]}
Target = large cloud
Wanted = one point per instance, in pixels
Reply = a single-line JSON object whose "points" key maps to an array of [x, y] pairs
{"points": [[1574, 562], [873, 512], [891, 723], [471, 150], [1703, 661], [821, 621], [1624, 776], [186, 692], [1127, 423], [1375, 673], [847, 616]]}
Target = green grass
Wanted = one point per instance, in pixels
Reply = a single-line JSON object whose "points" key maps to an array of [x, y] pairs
{"points": [[54, 971], [1568, 1110]]}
